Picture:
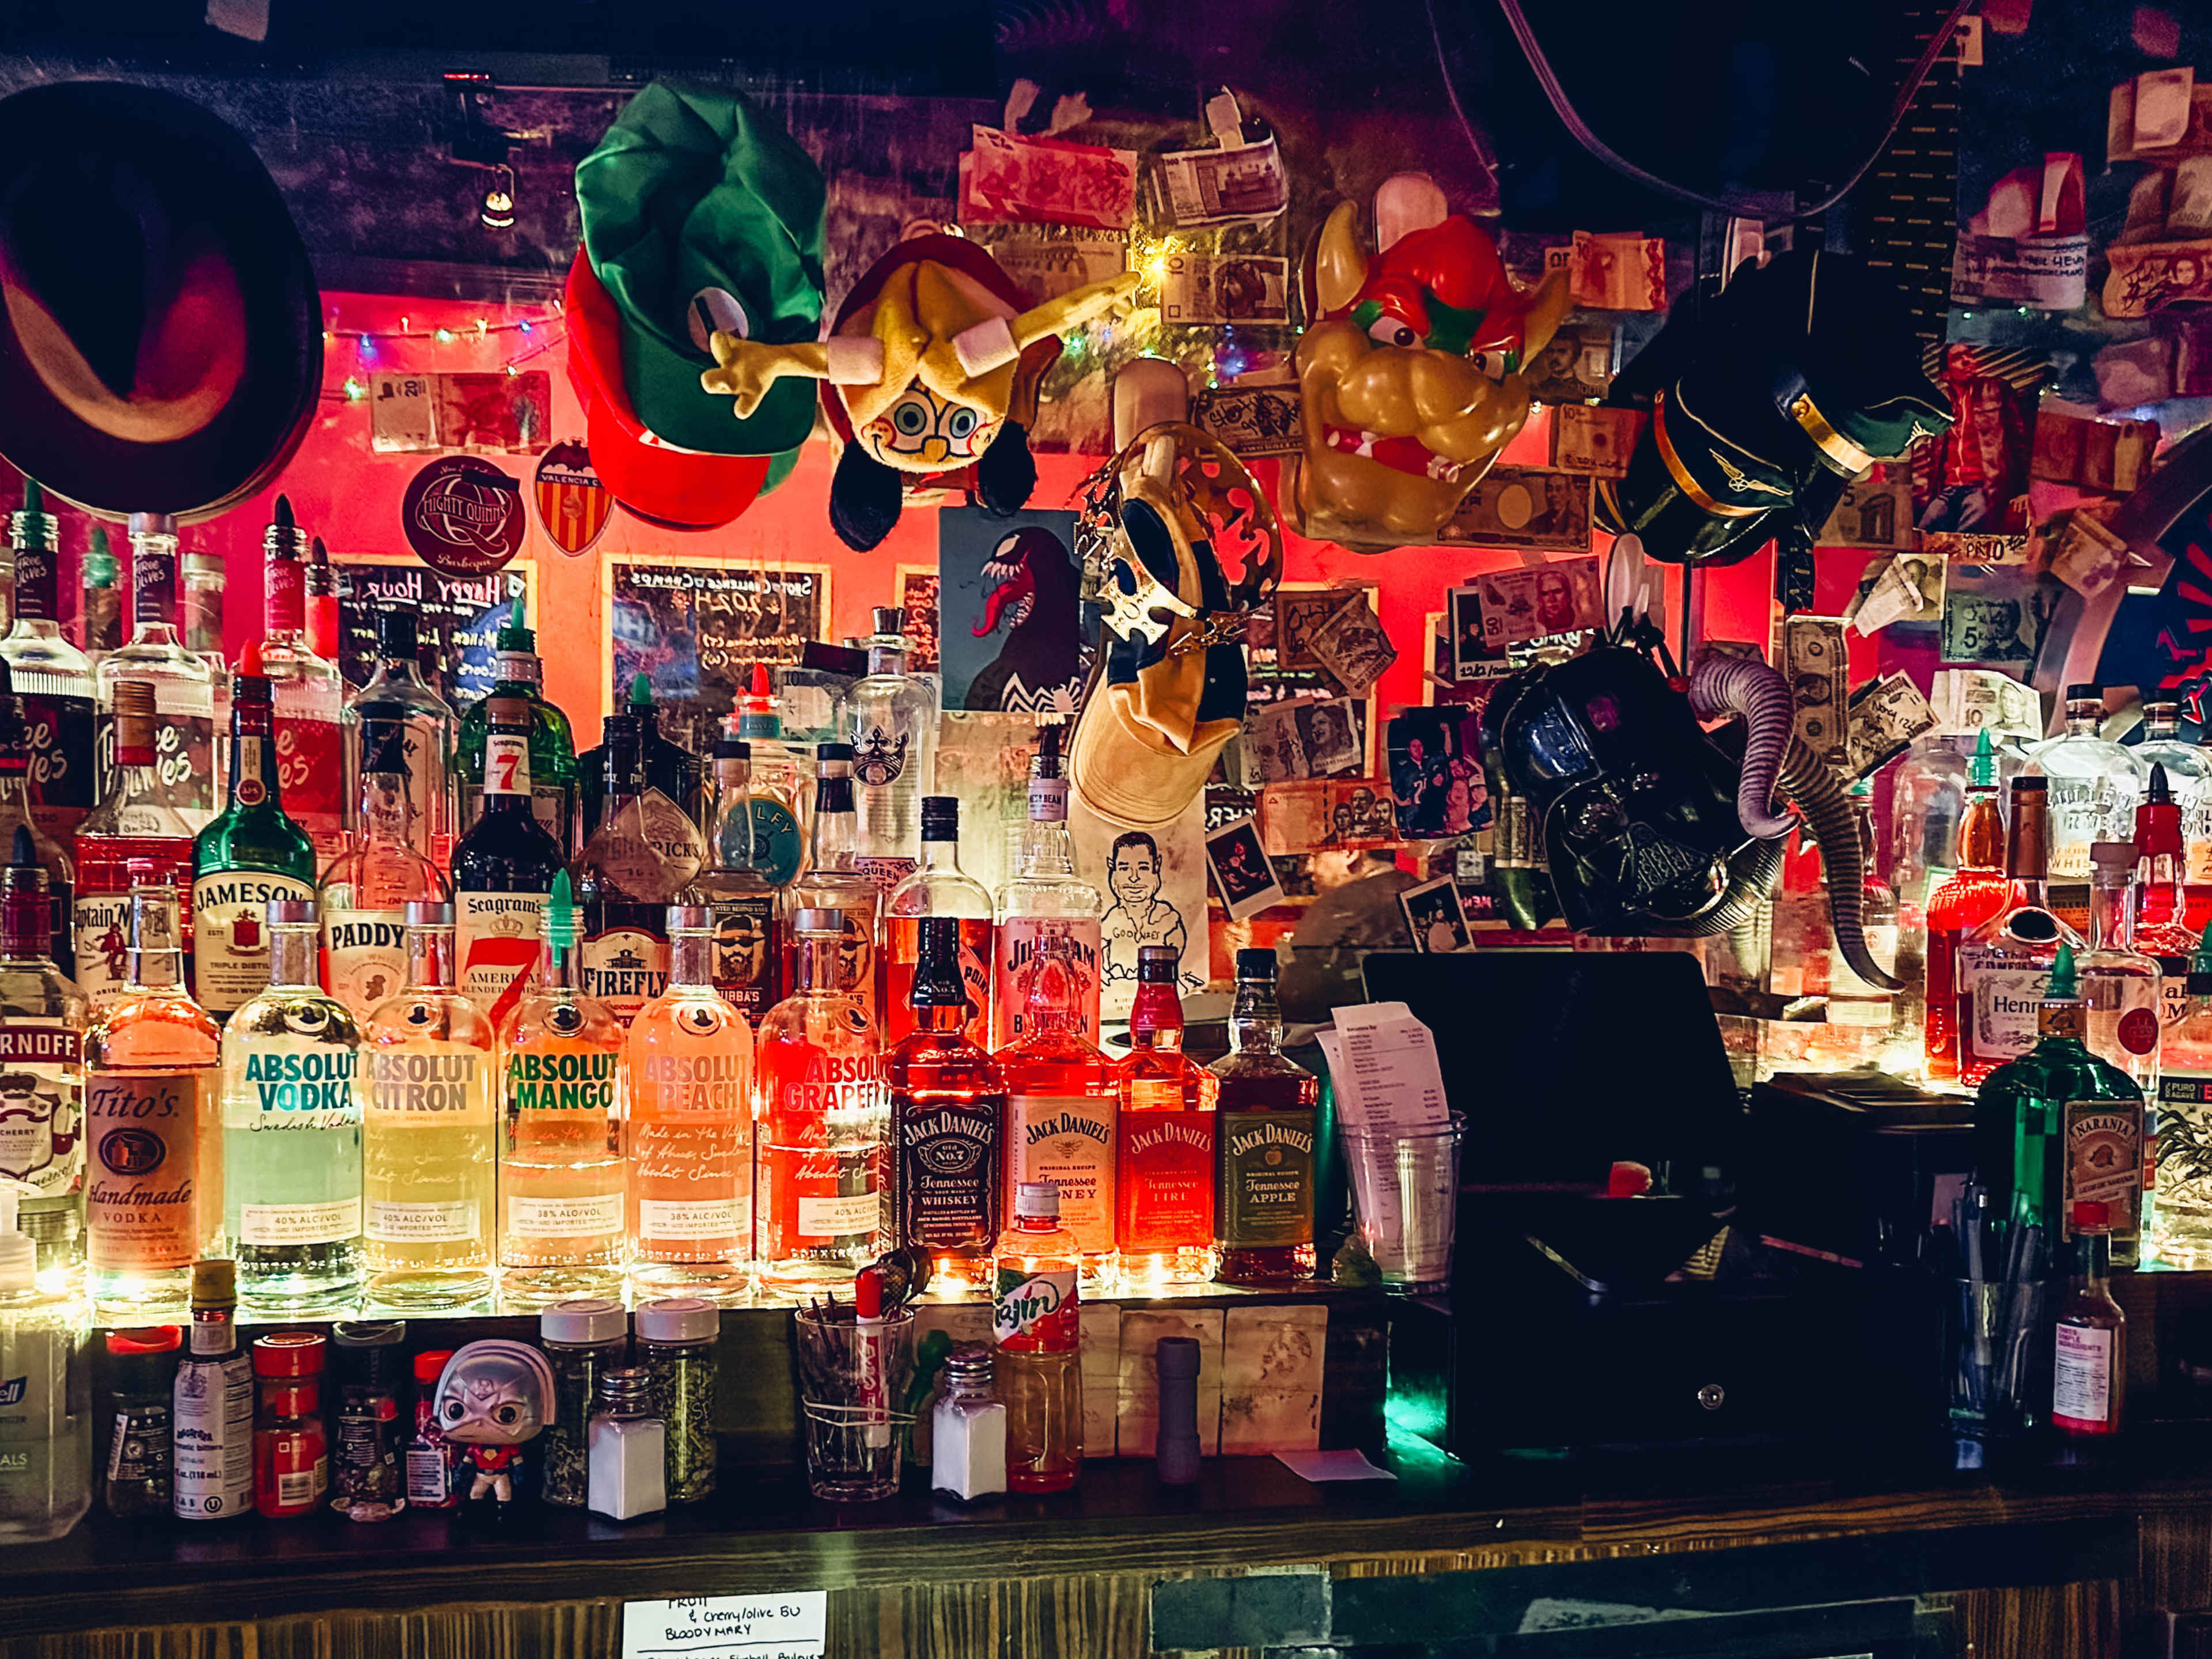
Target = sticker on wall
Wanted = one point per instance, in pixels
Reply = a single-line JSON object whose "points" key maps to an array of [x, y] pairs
{"points": [[463, 516], [574, 502]]}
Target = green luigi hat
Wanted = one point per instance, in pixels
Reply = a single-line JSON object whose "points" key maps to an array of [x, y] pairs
{"points": [[701, 213]]}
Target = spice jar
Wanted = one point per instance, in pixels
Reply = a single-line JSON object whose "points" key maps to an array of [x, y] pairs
{"points": [[967, 1429], [676, 1343], [291, 1455], [583, 1339], [366, 1362], [629, 1451], [135, 1451], [430, 1461]]}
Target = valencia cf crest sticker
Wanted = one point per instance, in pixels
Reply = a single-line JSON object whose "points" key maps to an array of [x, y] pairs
{"points": [[574, 503]]}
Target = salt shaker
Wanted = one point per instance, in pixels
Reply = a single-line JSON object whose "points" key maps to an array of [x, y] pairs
{"points": [[969, 1428], [629, 1448]]}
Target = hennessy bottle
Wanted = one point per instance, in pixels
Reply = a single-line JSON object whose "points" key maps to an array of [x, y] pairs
{"points": [[2004, 962], [948, 1120]]}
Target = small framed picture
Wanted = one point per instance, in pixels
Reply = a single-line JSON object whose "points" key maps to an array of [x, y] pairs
{"points": [[1241, 869], [1434, 916]]}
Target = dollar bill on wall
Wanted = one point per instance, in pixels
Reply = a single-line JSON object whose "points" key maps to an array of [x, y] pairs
{"points": [[1524, 506], [1884, 717], [1997, 613], [1251, 419], [1819, 672], [1214, 289], [1352, 646]]}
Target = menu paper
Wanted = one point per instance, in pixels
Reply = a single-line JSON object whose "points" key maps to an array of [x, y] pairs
{"points": [[1384, 1063], [794, 1624]]}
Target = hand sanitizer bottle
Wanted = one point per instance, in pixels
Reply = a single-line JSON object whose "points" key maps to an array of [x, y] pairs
{"points": [[46, 1394]]}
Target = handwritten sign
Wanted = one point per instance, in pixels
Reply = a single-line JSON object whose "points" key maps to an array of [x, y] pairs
{"points": [[457, 618], [794, 1624], [695, 631]]}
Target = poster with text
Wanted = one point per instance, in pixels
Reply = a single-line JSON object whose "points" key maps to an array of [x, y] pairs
{"points": [[696, 629], [1012, 634]]}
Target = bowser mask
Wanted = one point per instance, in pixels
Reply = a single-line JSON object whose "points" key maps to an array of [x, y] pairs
{"points": [[1413, 378]]}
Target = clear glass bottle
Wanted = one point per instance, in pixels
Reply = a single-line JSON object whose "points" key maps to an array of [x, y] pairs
{"points": [[832, 881], [51, 676], [670, 768], [1061, 1103], [583, 1339], [154, 1179], [211, 1406], [2181, 1206], [45, 1473], [429, 1132], [892, 717], [752, 852], [1976, 890], [2093, 785], [1927, 803], [1164, 1160], [203, 579], [2161, 899], [518, 673], [821, 1119], [291, 1129], [133, 827], [779, 772], [503, 869], [43, 1018], [689, 1136], [15, 812], [1037, 1328], [252, 852], [366, 889], [2119, 983], [100, 601], [1264, 1140], [2003, 962], [642, 857], [309, 692], [2188, 777], [183, 683], [938, 887], [398, 691], [1044, 890], [949, 1124], [563, 1181]]}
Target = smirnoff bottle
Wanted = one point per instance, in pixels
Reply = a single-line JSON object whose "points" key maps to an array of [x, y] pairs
{"points": [[150, 1124], [184, 684], [309, 692], [51, 676], [641, 859], [831, 880], [42, 1025], [503, 868], [429, 1134], [892, 715], [1163, 1169], [938, 887], [562, 1185], [2002, 963], [366, 888], [134, 827], [2094, 785], [819, 1110], [1044, 892], [948, 1120], [252, 853], [291, 1129], [2189, 781], [1264, 1132], [1060, 1102], [690, 1130]]}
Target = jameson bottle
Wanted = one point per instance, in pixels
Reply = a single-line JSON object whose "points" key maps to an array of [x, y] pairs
{"points": [[42, 1025], [252, 853], [562, 1184], [948, 1120], [51, 676], [641, 859], [366, 888], [1264, 1163], [746, 846], [518, 673], [150, 1063], [503, 868], [691, 1139], [291, 1129], [134, 827]]}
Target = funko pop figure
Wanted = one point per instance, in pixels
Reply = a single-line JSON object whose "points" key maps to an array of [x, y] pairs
{"points": [[493, 1397]]}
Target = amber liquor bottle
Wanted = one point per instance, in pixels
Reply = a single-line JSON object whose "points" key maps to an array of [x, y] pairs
{"points": [[1264, 1130], [948, 1116]]}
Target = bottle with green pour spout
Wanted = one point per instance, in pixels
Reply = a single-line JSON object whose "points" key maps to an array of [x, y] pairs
{"points": [[2059, 1126], [2180, 1231], [562, 1181]]}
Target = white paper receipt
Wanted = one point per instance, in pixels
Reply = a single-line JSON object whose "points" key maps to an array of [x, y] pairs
{"points": [[792, 1626]]}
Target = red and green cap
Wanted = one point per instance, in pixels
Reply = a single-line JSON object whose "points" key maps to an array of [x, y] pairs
{"points": [[702, 215]]}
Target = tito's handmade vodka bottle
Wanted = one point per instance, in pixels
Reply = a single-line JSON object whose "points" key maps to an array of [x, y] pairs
{"points": [[429, 1133]]}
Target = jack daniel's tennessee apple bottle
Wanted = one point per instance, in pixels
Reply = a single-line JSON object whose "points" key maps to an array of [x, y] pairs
{"points": [[1263, 1140]]}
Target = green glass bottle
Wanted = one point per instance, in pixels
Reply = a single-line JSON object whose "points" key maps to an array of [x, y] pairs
{"points": [[2060, 1126], [552, 742], [250, 854]]}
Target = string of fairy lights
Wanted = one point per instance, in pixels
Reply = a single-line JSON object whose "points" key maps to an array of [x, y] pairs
{"points": [[369, 344]]}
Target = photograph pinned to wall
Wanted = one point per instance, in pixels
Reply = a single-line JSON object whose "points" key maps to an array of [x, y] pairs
{"points": [[695, 626], [1155, 883], [1011, 623], [1436, 782], [917, 596], [1435, 916], [1241, 870], [457, 619], [422, 413], [1575, 366], [1299, 613], [1271, 1360], [1996, 614]]}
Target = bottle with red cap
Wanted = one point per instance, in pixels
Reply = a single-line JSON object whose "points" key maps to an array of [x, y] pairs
{"points": [[309, 691], [135, 1454], [1038, 1329], [430, 1457], [291, 1450], [2090, 1374]]}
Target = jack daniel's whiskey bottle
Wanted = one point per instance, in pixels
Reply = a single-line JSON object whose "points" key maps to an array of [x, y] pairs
{"points": [[1264, 1147], [948, 1120]]}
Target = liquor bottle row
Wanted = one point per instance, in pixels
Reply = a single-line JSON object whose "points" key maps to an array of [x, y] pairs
{"points": [[419, 1155]]}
